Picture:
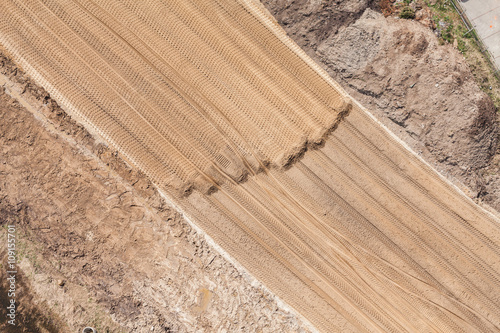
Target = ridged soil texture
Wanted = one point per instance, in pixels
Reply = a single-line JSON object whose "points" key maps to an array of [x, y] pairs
{"points": [[212, 99], [192, 92]]}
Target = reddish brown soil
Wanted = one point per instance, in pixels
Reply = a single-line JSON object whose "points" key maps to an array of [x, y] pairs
{"points": [[99, 225]]}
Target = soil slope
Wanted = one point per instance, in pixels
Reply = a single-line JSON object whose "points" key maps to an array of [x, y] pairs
{"points": [[239, 94], [422, 91]]}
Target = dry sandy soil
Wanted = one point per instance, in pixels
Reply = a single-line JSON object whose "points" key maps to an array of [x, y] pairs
{"points": [[129, 262], [356, 234]]}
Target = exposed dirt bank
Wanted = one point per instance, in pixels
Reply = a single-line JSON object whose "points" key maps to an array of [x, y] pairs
{"points": [[126, 260], [423, 91]]}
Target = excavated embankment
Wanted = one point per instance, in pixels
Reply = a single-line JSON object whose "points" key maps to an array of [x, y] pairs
{"points": [[422, 89]]}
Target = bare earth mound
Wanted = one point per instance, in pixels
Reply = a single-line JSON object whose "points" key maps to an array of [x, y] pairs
{"points": [[423, 91]]}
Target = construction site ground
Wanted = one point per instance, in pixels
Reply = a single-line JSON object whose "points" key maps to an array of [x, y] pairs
{"points": [[352, 233], [129, 262]]}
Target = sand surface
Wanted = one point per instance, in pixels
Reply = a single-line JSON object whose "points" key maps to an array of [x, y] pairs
{"points": [[218, 108]]}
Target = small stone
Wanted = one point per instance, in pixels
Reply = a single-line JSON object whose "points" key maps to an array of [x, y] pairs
{"points": [[61, 283], [437, 85]]}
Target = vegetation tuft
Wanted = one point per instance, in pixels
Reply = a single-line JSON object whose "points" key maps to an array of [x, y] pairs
{"points": [[407, 13]]}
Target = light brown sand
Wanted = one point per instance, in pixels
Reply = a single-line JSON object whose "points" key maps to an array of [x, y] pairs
{"points": [[359, 235]]}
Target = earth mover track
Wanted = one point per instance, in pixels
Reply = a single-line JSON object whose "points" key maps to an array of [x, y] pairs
{"points": [[270, 157]]}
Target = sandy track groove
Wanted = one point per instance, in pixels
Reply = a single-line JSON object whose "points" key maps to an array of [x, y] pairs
{"points": [[359, 235], [192, 91], [363, 236]]}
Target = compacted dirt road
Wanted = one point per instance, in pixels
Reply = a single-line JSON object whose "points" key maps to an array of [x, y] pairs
{"points": [[365, 237], [263, 151]]}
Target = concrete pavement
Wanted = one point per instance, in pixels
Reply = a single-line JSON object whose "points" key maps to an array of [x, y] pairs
{"points": [[485, 17]]}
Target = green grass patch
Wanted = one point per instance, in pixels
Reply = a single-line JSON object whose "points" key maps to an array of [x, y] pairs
{"points": [[407, 13]]}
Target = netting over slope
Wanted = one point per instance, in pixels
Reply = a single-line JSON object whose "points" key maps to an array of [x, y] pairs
{"points": [[191, 91]]}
